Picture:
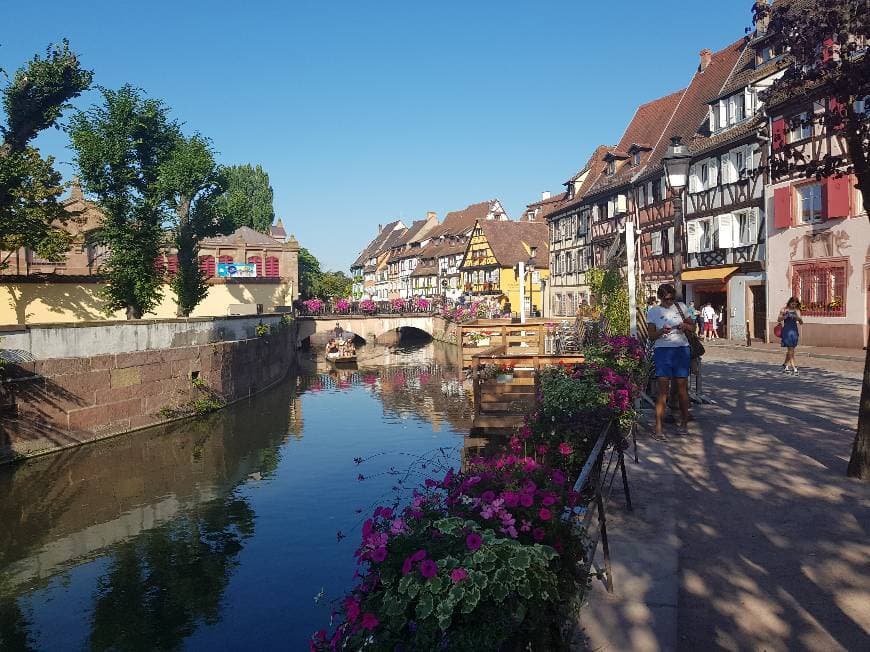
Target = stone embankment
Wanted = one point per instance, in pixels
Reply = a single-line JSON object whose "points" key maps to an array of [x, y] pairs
{"points": [[57, 402]]}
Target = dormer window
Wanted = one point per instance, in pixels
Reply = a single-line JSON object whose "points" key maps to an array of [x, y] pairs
{"points": [[635, 159], [611, 168]]}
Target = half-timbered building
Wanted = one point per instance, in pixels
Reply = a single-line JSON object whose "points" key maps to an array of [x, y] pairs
{"points": [[819, 237], [569, 239]]}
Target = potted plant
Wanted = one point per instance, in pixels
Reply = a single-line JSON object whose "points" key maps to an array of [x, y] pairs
{"points": [[505, 373], [478, 339]]}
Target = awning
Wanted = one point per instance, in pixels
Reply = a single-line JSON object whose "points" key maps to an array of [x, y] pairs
{"points": [[719, 274]]}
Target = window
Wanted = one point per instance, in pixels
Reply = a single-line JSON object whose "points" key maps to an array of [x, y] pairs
{"points": [[656, 241], [172, 264], [655, 191], [635, 159], [809, 203], [712, 117], [744, 227], [206, 264], [705, 174], [272, 266], [257, 262], [611, 168], [800, 127], [569, 262], [821, 288]]}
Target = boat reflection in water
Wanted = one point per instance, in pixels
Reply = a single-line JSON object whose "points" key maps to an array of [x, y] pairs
{"points": [[218, 533]]}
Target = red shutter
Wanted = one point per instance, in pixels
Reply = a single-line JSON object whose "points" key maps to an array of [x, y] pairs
{"points": [[782, 207], [225, 259], [836, 112], [206, 264], [778, 128], [827, 50], [835, 196], [159, 265], [271, 266], [257, 262], [172, 264]]}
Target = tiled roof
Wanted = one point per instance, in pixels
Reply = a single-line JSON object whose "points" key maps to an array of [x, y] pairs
{"points": [[506, 239], [244, 234], [413, 231], [647, 125], [377, 245], [458, 222], [737, 132], [595, 165], [425, 270], [546, 207], [692, 110]]}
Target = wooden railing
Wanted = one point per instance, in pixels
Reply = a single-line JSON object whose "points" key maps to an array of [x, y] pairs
{"points": [[532, 338]]}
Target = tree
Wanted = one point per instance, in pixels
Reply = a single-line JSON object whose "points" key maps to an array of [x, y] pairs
{"points": [[825, 43], [334, 284], [30, 187], [248, 197], [120, 146], [309, 273], [192, 183]]}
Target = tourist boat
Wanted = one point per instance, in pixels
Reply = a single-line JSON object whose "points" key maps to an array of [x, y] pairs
{"points": [[342, 357]]}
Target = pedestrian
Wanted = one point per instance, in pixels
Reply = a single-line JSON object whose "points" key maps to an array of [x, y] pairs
{"points": [[692, 312], [721, 315], [338, 330], [789, 334], [667, 325], [707, 316]]}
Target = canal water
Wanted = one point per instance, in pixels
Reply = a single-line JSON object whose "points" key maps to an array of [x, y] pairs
{"points": [[222, 533]]}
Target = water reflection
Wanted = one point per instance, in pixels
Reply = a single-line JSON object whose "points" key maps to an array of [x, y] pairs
{"points": [[216, 533]]}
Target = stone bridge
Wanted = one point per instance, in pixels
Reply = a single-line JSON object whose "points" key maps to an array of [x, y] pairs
{"points": [[369, 328]]}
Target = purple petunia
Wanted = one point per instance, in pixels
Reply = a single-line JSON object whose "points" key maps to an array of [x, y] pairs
{"points": [[428, 569], [473, 541]]}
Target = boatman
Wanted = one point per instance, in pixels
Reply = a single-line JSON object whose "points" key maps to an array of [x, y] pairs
{"points": [[338, 330]]}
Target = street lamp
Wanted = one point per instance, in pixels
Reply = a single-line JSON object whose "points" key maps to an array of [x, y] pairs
{"points": [[676, 164]]}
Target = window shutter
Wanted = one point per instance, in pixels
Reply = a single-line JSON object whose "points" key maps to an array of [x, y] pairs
{"points": [[714, 173], [692, 237], [726, 230], [723, 113], [206, 264], [272, 267], [752, 226], [835, 113], [621, 204], [694, 179], [670, 233], [656, 241], [778, 129], [748, 97], [835, 197], [782, 207], [172, 264]]}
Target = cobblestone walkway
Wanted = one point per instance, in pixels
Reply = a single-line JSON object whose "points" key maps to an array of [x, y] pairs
{"points": [[746, 535]]}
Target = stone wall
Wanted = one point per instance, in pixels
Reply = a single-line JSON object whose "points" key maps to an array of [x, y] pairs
{"points": [[56, 403], [40, 342], [445, 331]]}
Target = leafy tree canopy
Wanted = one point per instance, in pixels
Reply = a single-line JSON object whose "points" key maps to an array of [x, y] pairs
{"points": [[309, 273], [248, 197], [30, 187], [119, 148]]}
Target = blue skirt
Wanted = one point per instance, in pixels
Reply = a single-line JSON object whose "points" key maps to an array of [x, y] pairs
{"points": [[789, 337]]}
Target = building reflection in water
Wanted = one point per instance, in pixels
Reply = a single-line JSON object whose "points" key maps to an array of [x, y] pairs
{"points": [[161, 517]]}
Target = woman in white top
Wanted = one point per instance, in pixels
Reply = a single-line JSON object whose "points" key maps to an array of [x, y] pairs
{"points": [[668, 324]]}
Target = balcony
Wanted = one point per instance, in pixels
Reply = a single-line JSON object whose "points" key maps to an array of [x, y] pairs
{"points": [[738, 255]]}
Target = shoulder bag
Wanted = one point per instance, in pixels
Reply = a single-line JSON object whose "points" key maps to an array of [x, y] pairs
{"points": [[696, 349]]}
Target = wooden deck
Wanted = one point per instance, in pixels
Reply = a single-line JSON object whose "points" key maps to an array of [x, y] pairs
{"points": [[532, 338], [499, 406]]}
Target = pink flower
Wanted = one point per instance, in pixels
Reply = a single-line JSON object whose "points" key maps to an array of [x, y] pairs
{"points": [[510, 530], [526, 526], [511, 498], [527, 500], [407, 566], [379, 554], [538, 534], [473, 541], [545, 514], [487, 496], [529, 486], [565, 448], [516, 445], [419, 555], [369, 620], [548, 500], [529, 465], [558, 477], [428, 569], [542, 449], [526, 432], [458, 574], [397, 526], [351, 608]]}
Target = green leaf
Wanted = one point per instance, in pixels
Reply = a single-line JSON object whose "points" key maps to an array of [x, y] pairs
{"points": [[449, 525], [472, 597], [424, 606]]}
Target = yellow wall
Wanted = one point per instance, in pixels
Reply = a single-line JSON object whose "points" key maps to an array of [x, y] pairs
{"points": [[510, 286], [44, 303]]}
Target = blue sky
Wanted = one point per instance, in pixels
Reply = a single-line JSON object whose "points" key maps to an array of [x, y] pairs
{"points": [[364, 112]]}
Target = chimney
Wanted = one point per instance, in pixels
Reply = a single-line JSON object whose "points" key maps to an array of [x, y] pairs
{"points": [[761, 15], [431, 216], [545, 195], [380, 227], [75, 189], [706, 57]]}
